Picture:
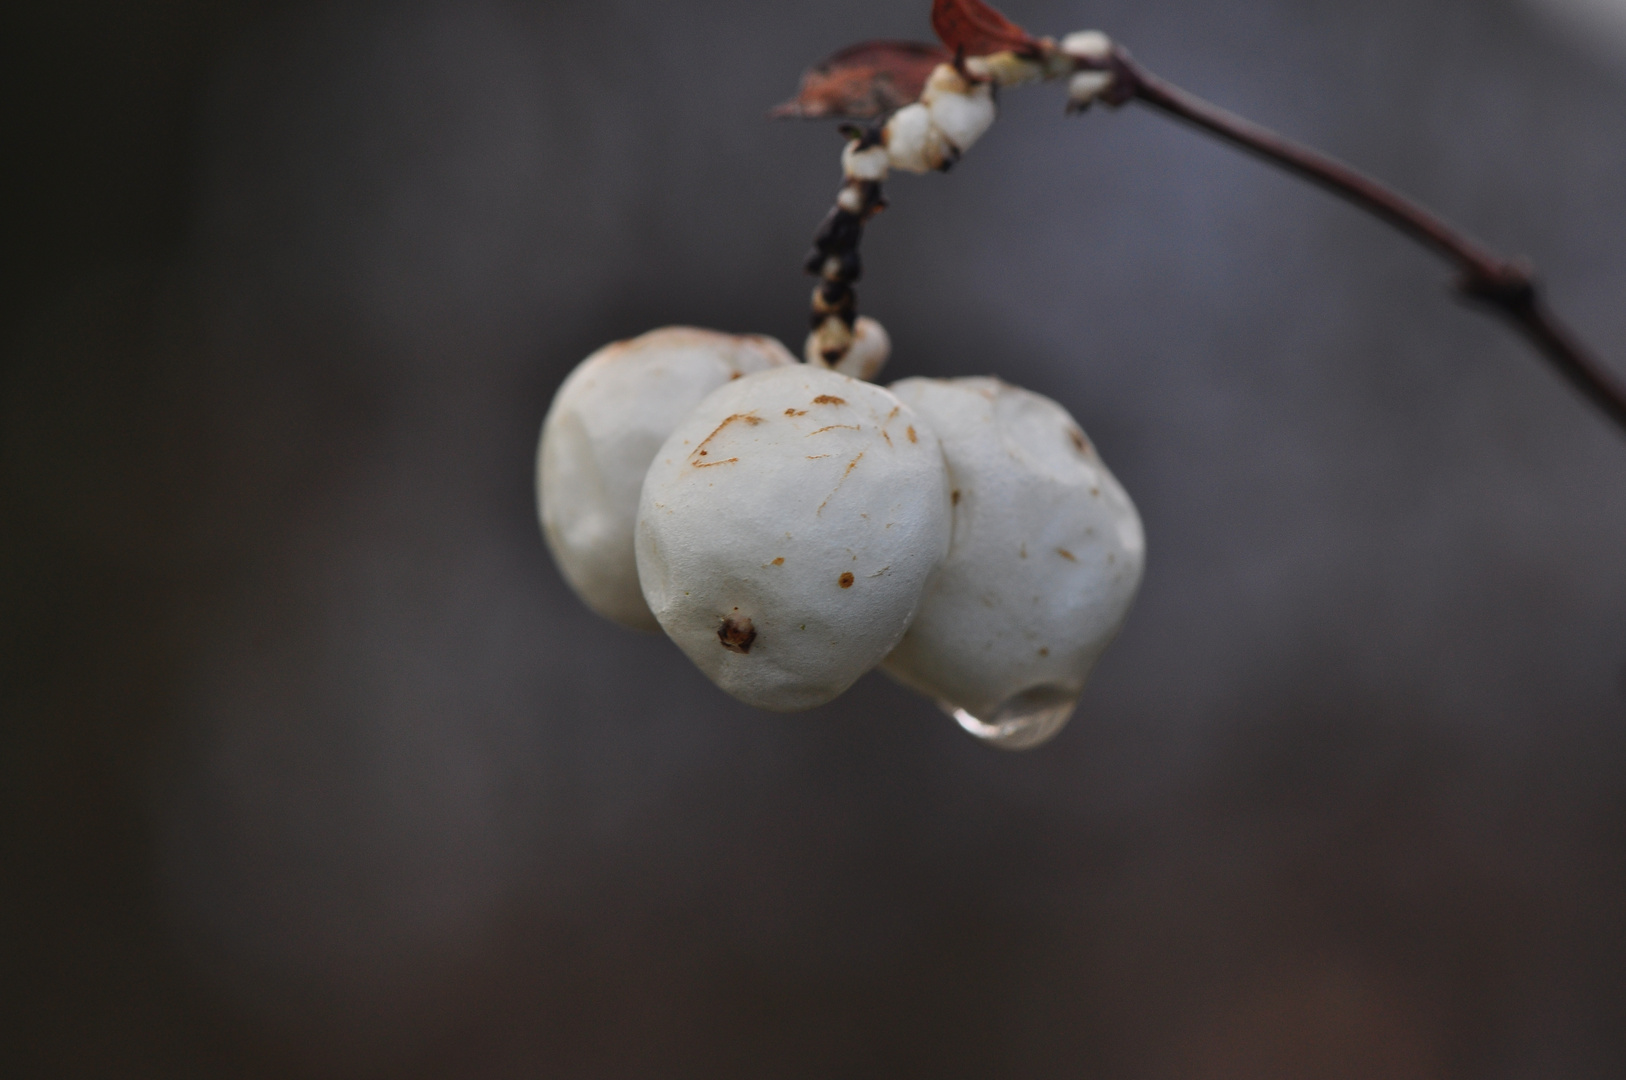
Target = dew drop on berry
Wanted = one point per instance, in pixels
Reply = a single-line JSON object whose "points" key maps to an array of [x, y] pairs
{"points": [[1021, 722]]}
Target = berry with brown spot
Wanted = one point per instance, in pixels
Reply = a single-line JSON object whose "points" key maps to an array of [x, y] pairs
{"points": [[831, 502]]}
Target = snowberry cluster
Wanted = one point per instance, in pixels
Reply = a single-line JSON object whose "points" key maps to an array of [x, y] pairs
{"points": [[791, 526]]}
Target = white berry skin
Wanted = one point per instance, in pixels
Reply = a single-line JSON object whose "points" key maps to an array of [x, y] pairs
{"points": [[606, 422], [1046, 558], [787, 529]]}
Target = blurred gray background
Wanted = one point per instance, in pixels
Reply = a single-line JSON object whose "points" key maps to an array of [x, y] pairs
{"points": [[313, 767]]}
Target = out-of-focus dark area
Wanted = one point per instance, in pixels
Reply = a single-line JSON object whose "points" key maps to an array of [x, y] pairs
{"points": [[312, 766]]}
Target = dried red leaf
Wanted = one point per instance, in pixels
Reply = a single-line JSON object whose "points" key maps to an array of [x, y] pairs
{"points": [[978, 29], [864, 81]]}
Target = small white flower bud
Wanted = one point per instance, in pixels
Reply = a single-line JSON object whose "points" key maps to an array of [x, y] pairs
{"points": [[786, 529], [870, 163], [1091, 45], [867, 350], [606, 422], [1085, 86], [944, 79], [961, 111], [913, 142], [1044, 563], [829, 342]]}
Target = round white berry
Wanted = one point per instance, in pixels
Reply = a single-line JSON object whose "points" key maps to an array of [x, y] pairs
{"points": [[1045, 560], [786, 530], [606, 422]]}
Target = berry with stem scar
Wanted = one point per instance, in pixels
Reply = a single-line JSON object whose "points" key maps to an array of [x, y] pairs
{"points": [[786, 530]]}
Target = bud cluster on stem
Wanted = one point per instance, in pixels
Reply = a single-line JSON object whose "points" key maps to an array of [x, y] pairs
{"points": [[987, 51]]}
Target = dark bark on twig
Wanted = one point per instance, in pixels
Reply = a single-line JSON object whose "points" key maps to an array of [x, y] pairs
{"points": [[1506, 286]]}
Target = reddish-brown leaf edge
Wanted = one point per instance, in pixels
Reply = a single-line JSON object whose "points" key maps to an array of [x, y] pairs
{"points": [[978, 29], [864, 81]]}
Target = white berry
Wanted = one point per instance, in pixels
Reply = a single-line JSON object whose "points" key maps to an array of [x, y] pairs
{"points": [[1045, 560], [786, 530], [606, 422]]}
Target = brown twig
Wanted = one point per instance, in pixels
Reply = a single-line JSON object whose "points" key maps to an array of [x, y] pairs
{"points": [[1505, 286]]}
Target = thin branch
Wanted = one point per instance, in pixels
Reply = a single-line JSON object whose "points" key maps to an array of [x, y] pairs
{"points": [[1102, 71], [1506, 286]]}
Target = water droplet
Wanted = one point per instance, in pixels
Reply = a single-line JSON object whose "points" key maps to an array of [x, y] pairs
{"points": [[1021, 722]]}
